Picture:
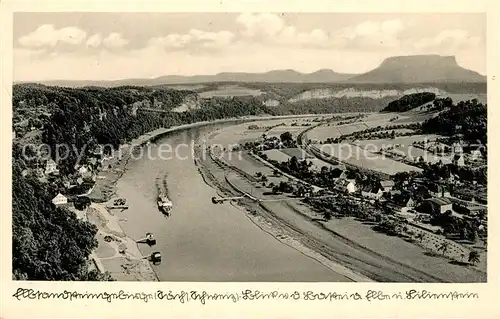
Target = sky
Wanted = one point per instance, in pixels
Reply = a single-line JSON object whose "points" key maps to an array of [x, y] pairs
{"points": [[111, 46]]}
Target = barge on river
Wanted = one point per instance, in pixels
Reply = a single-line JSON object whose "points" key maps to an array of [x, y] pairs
{"points": [[164, 204]]}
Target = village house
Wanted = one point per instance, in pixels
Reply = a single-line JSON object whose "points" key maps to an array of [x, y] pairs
{"points": [[457, 148], [51, 167], [59, 200], [458, 160], [371, 192], [471, 210], [386, 185], [346, 185], [435, 206], [404, 199], [438, 191], [476, 154]]}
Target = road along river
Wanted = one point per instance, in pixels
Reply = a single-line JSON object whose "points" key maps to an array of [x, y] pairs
{"points": [[201, 241]]}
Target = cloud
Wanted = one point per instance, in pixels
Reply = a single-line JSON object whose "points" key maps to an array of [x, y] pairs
{"points": [[290, 36], [260, 24], [170, 41], [47, 35], [94, 41], [271, 28], [115, 40], [371, 34], [212, 39], [449, 41], [193, 39]]}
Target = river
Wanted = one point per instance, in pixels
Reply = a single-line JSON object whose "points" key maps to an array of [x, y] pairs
{"points": [[201, 241]]}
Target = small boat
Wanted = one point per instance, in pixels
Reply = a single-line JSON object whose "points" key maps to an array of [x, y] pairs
{"points": [[155, 257], [164, 204]]}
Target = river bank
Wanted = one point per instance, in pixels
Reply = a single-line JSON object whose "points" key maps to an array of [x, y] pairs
{"points": [[128, 264], [344, 240]]}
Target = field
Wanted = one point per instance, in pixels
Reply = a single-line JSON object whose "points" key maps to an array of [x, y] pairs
{"points": [[189, 87], [251, 166], [241, 133], [355, 155], [285, 154], [332, 130], [405, 141], [277, 155], [277, 131], [230, 90], [297, 152], [405, 147]]}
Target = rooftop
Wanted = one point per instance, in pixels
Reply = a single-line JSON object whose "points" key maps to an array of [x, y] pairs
{"points": [[386, 183], [439, 201]]}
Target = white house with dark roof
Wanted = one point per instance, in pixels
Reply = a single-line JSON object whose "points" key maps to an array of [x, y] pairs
{"points": [[436, 205], [60, 199], [51, 167], [457, 148], [371, 192], [458, 160], [346, 185], [386, 185], [476, 154]]}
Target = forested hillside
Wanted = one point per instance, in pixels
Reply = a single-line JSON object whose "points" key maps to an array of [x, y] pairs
{"points": [[89, 116], [409, 102], [48, 243], [468, 118]]}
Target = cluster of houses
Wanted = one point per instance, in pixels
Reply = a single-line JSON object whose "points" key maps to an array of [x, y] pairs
{"points": [[455, 153], [369, 191], [85, 174], [403, 200]]}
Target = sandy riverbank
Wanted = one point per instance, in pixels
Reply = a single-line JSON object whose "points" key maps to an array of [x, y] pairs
{"points": [[117, 253]]}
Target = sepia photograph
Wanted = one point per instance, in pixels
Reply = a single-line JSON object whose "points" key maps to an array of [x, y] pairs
{"points": [[326, 147]]}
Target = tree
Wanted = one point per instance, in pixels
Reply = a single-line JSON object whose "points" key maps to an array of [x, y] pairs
{"points": [[472, 235], [443, 247], [474, 257], [420, 237], [327, 214], [286, 137]]}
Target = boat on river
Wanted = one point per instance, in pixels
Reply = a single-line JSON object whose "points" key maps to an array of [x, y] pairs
{"points": [[164, 204]]}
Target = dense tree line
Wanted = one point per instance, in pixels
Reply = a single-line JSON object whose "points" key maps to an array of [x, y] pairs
{"points": [[410, 101], [468, 118], [334, 105]]}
